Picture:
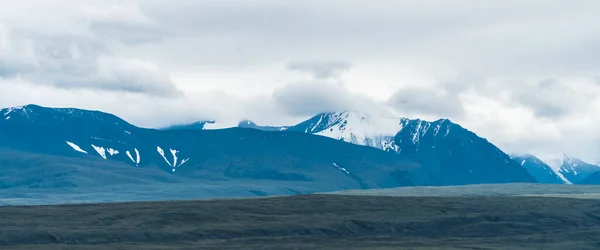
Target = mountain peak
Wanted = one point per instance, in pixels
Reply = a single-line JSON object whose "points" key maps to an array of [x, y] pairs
{"points": [[576, 170], [246, 122], [33, 114], [542, 172]]}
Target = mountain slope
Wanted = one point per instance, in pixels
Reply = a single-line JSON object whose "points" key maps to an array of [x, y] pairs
{"points": [[448, 154], [352, 127], [236, 153], [576, 170], [451, 154], [541, 171], [592, 179], [250, 124]]}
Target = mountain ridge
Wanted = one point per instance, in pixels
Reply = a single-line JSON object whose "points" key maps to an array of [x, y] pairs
{"points": [[417, 139], [541, 171], [243, 153]]}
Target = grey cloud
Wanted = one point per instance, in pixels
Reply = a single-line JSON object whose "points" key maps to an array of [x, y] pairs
{"points": [[548, 98], [76, 62], [313, 97], [495, 37], [147, 41], [127, 33], [310, 98], [463, 82], [418, 100], [114, 74], [321, 70]]}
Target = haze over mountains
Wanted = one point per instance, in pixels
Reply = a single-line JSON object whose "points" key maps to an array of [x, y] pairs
{"points": [[44, 147]]}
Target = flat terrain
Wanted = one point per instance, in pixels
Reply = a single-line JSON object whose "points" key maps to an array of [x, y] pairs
{"points": [[309, 222], [254, 188], [510, 189]]}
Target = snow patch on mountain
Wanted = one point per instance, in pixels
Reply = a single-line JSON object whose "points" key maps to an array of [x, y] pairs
{"points": [[100, 150], [356, 128], [137, 156], [76, 147], [341, 168], [7, 111], [129, 155], [112, 151], [174, 153], [554, 167], [162, 153]]}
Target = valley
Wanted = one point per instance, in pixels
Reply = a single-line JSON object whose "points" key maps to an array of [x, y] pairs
{"points": [[308, 222]]}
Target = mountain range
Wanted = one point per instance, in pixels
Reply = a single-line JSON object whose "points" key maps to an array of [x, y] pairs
{"points": [[404, 138], [68, 147], [567, 170]]}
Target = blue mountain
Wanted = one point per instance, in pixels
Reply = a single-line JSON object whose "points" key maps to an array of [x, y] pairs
{"points": [[592, 179], [447, 153], [541, 171], [576, 170], [252, 125], [102, 141]]}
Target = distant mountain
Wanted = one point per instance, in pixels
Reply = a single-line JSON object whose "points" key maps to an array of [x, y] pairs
{"points": [[541, 171], [351, 127], [448, 153], [452, 154], [195, 125], [252, 125], [576, 170], [216, 155], [422, 153], [592, 179]]}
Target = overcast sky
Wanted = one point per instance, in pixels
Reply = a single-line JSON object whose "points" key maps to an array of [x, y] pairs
{"points": [[524, 74]]}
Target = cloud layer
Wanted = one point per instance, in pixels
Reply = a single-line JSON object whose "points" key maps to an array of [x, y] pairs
{"points": [[522, 73]]}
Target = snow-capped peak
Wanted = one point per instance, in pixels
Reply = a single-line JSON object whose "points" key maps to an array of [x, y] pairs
{"points": [[555, 166], [355, 127], [356, 123]]}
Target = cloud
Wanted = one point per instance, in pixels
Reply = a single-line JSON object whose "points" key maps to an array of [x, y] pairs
{"points": [[83, 57], [313, 97], [233, 57], [310, 98], [321, 70], [549, 98], [426, 101]]}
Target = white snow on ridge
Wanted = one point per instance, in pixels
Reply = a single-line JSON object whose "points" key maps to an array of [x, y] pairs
{"points": [[137, 157], [174, 153], [390, 145], [176, 163], [129, 155], [75, 147], [556, 165], [10, 110], [100, 150], [356, 128], [162, 153], [112, 151]]}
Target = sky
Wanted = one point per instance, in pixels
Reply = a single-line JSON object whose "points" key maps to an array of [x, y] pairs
{"points": [[525, 74]]}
